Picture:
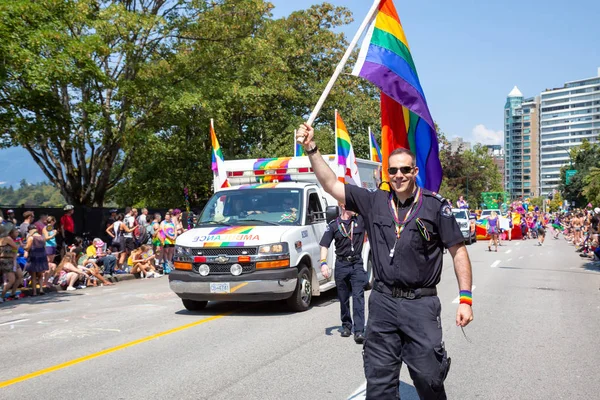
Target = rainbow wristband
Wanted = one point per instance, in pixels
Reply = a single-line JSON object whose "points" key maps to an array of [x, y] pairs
{"points": [[323, 262], [466, 297]]}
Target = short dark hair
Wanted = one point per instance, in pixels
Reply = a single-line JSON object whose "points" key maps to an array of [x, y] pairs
{"points": [[402, 150]]}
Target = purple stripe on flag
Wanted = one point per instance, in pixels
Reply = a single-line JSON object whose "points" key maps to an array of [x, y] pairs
{"points": [[397, 88]]}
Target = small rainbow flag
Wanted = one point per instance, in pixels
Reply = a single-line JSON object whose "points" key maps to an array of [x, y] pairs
{"points": [[298, 149], [347, 167], [218, 167], [385, 60], [375, 151]]}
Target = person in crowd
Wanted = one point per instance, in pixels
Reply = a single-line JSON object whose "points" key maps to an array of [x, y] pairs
{"points": [[128, 228], [510, 223], [37, 262], [49, 232], [67, 274], [142, 219], [40, 224], [156, 237], [142, 260], [541, 230], [115, 231], [176, 218], [67, 226], [461, 203], [168, 234], [8, 258], [10, 217], [493, 230], [27, 220]]}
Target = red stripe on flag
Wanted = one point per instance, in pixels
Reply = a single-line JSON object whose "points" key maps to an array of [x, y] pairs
{"points": [[393, 130]]}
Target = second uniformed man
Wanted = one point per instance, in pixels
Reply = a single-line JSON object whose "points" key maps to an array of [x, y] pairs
{"points": [[408, 228], [348, 231]]}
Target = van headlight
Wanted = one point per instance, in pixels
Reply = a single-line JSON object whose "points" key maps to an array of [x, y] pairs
{"points": [[182, 253], [274, 249]]}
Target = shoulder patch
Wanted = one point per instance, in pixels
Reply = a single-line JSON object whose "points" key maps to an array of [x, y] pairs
{"points": [[446, 210], [436, 195]]}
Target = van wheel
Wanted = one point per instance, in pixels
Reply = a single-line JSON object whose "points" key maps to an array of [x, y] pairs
{"points": [[193, 305], [300, 300], [470, 239]]}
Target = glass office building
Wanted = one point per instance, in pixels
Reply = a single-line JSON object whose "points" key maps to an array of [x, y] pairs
{"points": [[521, 145], [568, 116]]}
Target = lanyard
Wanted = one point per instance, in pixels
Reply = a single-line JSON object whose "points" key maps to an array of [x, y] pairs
{"points": [[407, 218], [345, 233]]}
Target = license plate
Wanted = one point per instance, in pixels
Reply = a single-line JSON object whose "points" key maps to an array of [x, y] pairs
{"points": [[220, 288]]}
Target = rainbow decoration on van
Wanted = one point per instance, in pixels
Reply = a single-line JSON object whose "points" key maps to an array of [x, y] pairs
{"points": [[279, 165], [227, 236]]}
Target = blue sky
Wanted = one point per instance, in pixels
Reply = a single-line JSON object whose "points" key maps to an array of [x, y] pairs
{"points": [[469, 55]]}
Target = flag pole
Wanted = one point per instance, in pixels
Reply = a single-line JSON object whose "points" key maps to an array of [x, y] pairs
{"points": [[335, 137], [340, 67], [370, 146], [295, 130]]}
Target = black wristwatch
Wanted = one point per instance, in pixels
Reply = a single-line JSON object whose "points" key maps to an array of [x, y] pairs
{"points": [[312, 151]]}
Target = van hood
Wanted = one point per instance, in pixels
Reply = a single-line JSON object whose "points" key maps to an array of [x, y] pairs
{"points": [[232, 236]]}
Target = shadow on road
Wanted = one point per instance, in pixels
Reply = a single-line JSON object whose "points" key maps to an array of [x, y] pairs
{"points": [[407, 392], [592, 266], [258, 309], [48, 298]]}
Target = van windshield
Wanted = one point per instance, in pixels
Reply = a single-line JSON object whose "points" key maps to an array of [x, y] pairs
{"points": [[253, 207]]}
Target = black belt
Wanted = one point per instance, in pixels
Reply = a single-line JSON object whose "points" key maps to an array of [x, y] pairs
{"points": [[349, 258], [406, 293]]}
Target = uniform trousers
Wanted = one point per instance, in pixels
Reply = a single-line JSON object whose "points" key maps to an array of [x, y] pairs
{"points": [[410, 331], [350, 279]]}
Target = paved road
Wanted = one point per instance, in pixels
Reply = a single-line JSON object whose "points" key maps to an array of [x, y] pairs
{"points": [[535, 336]]}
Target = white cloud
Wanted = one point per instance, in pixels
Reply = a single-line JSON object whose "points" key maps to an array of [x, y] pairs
{"points": [[483, 135]]}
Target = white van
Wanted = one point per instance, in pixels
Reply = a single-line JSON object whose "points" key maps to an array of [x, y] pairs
{"points": [[259, 239]]}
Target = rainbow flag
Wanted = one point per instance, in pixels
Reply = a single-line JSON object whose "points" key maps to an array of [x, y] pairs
{"points": [[374, 147], [218, 167], [298, 149], [385, 60], [347, 167]]}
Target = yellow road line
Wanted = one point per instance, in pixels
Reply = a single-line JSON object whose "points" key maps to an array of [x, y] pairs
{"points": [[241, 285], [107, 351]]}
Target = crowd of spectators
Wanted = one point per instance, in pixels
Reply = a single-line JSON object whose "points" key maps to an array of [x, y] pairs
{"points": [[38, 254]]}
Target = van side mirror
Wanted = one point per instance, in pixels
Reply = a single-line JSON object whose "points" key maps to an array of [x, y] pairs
{"points": [[331, 213]]}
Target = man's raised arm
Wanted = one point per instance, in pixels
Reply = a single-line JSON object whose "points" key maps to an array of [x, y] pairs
{"points": [[325, 175]]}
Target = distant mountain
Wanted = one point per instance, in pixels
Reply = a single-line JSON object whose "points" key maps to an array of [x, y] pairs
{"points": [[16, 164]]}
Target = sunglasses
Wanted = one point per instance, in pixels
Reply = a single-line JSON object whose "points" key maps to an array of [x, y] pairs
{"points": [[404, 170]]}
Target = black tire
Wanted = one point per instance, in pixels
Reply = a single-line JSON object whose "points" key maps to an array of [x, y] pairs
{"points": [[300, 300], [475, 238], [470, 241], [194, 305]]}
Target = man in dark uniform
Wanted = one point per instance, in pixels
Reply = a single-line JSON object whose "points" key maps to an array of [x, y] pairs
{"points": [[350, 277], [408, 228]]}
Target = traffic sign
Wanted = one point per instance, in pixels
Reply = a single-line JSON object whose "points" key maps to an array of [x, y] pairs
{"points": [[569, 174]]}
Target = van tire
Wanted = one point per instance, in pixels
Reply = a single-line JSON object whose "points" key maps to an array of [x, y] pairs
{"points": [[300, 300], [194, 305]]}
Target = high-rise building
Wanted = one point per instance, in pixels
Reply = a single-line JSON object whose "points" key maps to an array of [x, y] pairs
{"points": [[521, 135], [458, 145], [568, 115]]}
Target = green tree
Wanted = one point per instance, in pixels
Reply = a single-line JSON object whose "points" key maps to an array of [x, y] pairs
{"points": [[584, 159], [83, 82], [592, 186], [468, 173], [556, 202], [258, 90]]}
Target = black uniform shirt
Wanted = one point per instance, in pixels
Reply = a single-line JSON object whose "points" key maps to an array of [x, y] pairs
{"points": [[417, 262], [342, 244]]}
